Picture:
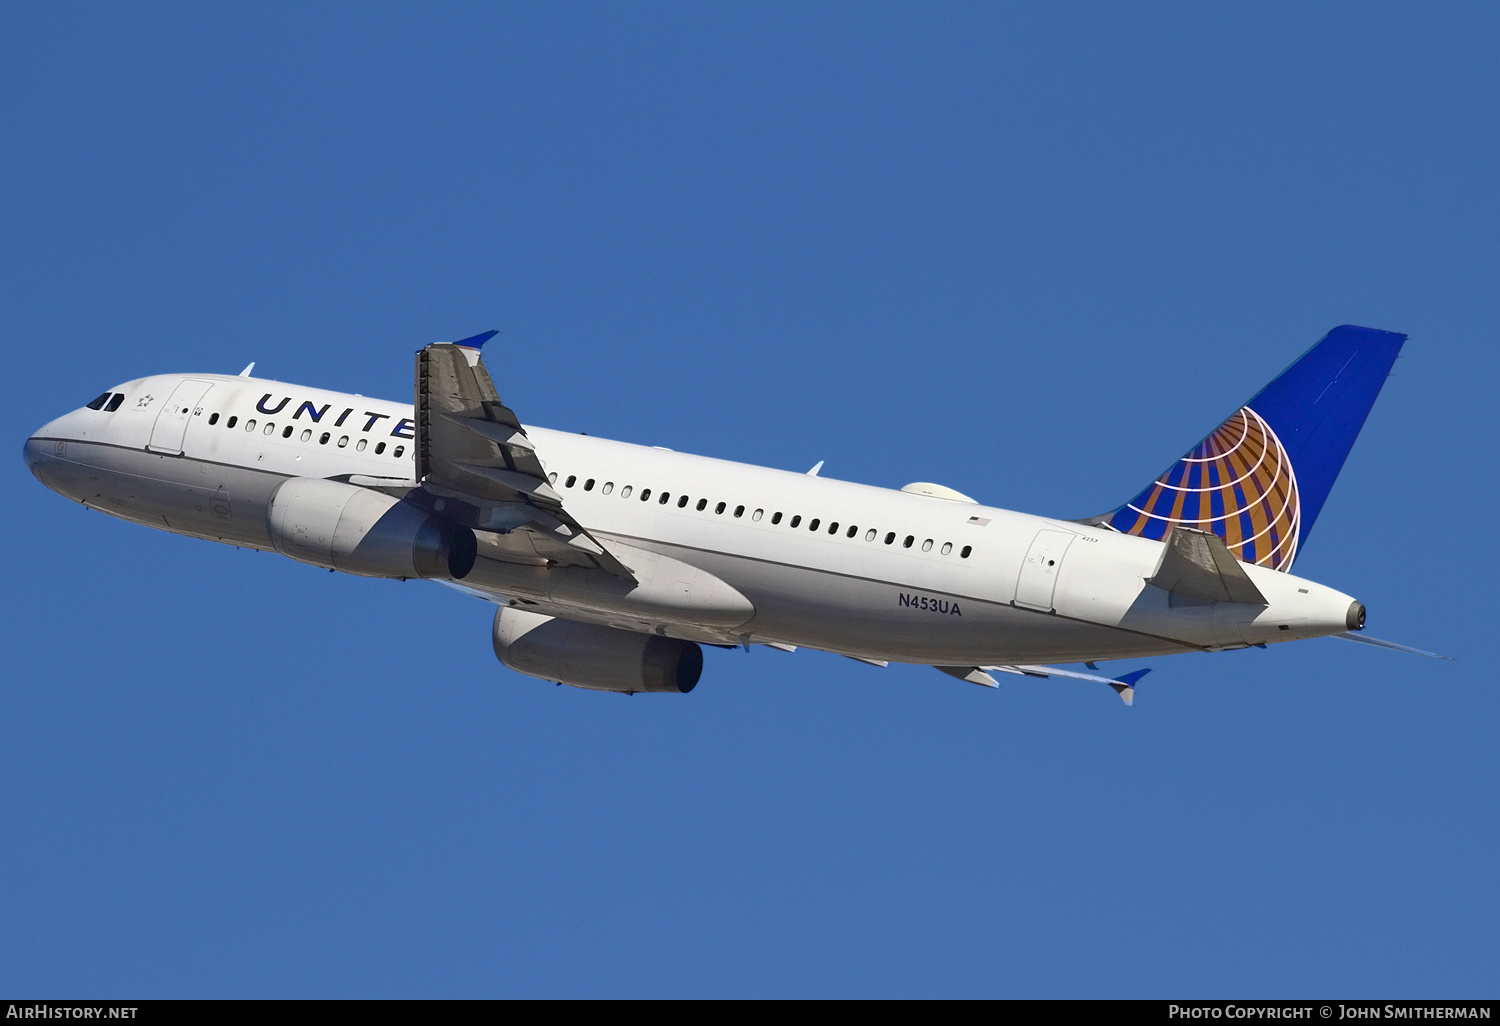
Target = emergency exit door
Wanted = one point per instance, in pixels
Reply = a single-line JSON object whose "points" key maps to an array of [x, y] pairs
{"points": [[172, 422], [1037, 583]]}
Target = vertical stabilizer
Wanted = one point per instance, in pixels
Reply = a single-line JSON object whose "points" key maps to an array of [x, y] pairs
{"points": [[1261, 478]]}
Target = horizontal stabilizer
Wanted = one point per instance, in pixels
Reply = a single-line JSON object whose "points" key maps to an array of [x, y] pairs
{"points": [[1366, 640], [1198, 565]]}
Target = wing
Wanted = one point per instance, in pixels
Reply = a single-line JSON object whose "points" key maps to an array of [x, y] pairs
{"points": [[470, 447], [1124, 684]]}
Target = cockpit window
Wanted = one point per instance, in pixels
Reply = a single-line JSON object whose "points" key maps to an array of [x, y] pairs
{"points": [[114, 404], [98, 404]]}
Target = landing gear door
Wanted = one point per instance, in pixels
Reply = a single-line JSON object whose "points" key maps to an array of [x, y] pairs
{"points": [[172, 421], [1038, 578]]}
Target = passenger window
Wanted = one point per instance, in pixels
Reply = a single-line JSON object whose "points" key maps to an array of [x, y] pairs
{"points": [[213, 418], [870, 534], [947, 548], [964, 554], [286, 432], [359, 446], [890, 537], [664, 497], [399, 450], [719, 508], [702, 505], [814, 525], [98, 404], [833, 528], [757, 514], [588, 485], [323, 440], [250, 424], [552, 478], [625, 492], [795, 520], [379, 448], [609, 486], [852, 531], [230, 422], [739, 511], [645, 494], [343, 441], [682, 501], [569, 482], [775, 518], [927, 545], [306, 434], [270, 429], [114, 404], [907, 544]]}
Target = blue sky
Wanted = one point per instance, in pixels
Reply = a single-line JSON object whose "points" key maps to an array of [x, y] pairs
{"points": [[1033, 252]]}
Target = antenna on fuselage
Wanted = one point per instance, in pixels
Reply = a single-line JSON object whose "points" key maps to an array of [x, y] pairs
{"points": [[246, 372], [816, 467]]}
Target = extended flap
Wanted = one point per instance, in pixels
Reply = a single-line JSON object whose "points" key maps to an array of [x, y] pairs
{"points": [[469, 445]]}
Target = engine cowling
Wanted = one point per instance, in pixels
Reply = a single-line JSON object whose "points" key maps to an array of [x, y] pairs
{"points": [[361, 531], [593, 656]]}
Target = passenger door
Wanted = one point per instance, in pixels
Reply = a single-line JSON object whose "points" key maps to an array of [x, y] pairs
{"points": [[172, 421], [1038, 578]]}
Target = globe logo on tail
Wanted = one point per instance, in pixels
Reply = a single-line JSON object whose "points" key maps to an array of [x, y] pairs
{"points": [[1237, 483]]}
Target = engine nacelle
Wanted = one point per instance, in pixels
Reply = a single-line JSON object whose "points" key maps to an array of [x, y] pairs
{"points": [[593, 656], [361, 531]]}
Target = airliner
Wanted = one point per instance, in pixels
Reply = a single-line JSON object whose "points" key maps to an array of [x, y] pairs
{"points": [[612, 564]]}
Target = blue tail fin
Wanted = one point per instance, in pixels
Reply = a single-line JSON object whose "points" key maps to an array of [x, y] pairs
{"points": [[1261, 478]]}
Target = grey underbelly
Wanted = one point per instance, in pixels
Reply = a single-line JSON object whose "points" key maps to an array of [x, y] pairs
{"points": [[881, 620], [794, 605], [173, 493]]}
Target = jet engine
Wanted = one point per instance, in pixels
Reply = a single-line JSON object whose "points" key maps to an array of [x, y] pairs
{"points": [[360, 531], [593, 656]]}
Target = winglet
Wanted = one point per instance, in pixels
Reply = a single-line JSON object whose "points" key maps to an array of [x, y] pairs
{"points": [[1124, 685], [477, 341]]}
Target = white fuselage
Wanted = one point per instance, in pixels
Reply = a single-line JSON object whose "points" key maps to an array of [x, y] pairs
{"points": [[770, 557]]}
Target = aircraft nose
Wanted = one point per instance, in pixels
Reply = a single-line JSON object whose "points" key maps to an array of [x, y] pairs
{"points": [[31, 452], [41, 451]]}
